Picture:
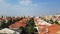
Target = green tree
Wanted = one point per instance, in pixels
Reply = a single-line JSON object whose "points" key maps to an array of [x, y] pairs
{"points": [[30, 25], [21, 28]]}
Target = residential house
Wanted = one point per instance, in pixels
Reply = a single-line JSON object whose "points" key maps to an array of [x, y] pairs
{"points": [[8, 31], [18, 24]]}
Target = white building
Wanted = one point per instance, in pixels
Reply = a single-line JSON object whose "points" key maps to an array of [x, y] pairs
{"points": [[8, 31]]}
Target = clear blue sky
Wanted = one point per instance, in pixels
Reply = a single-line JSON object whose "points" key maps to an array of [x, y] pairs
{"points": [[29, 7]]}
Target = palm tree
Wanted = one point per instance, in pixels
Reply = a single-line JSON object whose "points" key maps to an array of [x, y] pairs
{"points": [[30, 25]]}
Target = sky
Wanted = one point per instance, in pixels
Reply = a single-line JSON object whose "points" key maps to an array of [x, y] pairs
{"points": [[29, 7]]}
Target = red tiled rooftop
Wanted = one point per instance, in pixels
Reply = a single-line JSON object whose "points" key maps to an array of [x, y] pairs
{"points": [[19, 23], [52, 29]]}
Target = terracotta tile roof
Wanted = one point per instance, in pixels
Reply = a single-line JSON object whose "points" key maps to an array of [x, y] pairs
{"points": [[51, 29], [19, 23]]}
